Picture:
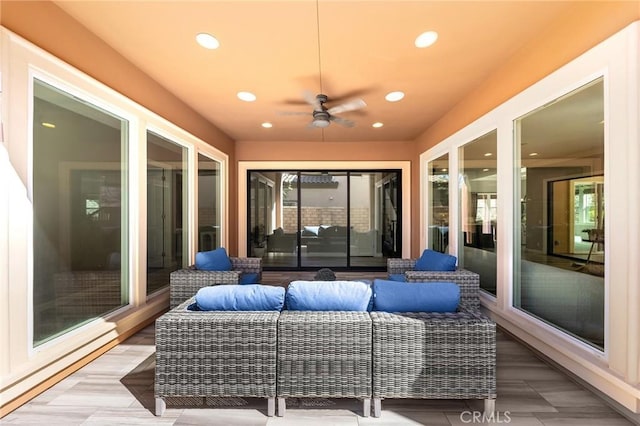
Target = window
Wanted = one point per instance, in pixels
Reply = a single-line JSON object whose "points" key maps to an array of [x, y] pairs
{"points": [[478, 208], [166, 209], [80, 230], [559, 273], [209, 208], [438, 204]]}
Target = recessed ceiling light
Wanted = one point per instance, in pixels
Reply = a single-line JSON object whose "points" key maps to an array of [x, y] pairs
{"points": [[426, 39], [246, 96], [207, 41], [49, 125], [377, 125], [488, 154], [533, 154], [267, 125], [444, 170], [394, 96], [485, 170]]}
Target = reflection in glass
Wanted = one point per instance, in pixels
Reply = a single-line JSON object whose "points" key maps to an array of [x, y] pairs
{"points": [[560, 263], [208, 203], [166, 218], [478, 204], [80, 217], [438, 203]]}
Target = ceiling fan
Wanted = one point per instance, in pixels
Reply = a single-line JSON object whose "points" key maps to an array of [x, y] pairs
{"points": [[322, 115]]}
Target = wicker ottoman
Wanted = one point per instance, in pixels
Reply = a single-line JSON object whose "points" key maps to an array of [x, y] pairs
{"points": [[324, 354], [215, 353]]}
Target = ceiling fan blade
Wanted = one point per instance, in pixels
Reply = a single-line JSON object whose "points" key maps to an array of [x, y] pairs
{"points": [[342, 121], [347, 106], [356, 93], [312, 100]]}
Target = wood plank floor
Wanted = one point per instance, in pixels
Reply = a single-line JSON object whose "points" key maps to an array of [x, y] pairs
{"points": [[117, 389]]}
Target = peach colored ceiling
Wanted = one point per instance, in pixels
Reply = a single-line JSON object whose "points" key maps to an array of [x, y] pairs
{"points": [[272, 49]]}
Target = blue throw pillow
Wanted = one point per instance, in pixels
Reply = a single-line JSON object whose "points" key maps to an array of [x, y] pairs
{"points": [[398, 277], [393, 296], [328, 296], [248, 278], [435, 261], [214, 260], [250, 297]]}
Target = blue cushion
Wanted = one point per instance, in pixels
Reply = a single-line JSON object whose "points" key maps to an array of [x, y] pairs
{"points": [[393, 296], [398, 277], [248, 278], [435, 261], [250, 297], [328, 296], [214, 260]]}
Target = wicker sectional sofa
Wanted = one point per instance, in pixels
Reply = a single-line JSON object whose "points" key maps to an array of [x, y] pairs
{"points": [[324, 354], [330, 354], [215, 354]]}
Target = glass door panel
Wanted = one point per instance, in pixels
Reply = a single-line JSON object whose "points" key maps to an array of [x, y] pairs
{"points": [[367, 216], [323, 219]]}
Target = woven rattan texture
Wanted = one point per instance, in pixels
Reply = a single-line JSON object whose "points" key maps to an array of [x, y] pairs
{"points": [[248, 265], [434, 356], [224, 354], [324, 354]]}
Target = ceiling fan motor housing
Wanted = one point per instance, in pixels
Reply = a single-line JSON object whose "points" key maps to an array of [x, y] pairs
{"points": [[320, 118]]}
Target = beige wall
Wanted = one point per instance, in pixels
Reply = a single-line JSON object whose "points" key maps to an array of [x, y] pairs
{"points": [[324, 151]]}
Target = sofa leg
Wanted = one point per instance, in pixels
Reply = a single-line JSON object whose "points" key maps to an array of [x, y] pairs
{"points": [[160, 406], [366, 407], [282, 407], [377, 407], [271, 406], [489, 407]]}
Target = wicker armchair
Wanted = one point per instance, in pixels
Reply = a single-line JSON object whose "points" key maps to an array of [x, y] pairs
{"points": [[435, 355], [469, 282], [215, 354], [324, 354], [185, 283]]}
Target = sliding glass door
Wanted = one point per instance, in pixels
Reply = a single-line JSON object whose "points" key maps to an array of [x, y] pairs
{"points": [[334, 219]]}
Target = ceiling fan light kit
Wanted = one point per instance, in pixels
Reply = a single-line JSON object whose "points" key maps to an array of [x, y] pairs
{"points": [[320, 119]]}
